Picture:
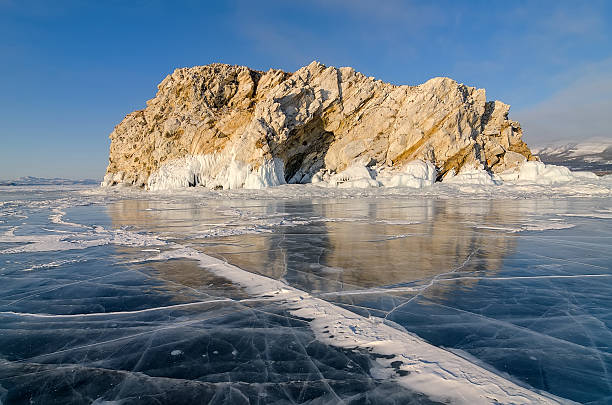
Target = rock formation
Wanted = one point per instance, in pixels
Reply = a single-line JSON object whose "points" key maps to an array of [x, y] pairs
{"points": [[231, 126]]}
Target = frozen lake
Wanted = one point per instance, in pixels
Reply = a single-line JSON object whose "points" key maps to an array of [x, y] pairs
{"points": [[289, 297]]}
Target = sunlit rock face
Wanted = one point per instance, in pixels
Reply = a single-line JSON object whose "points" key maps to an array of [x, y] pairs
{"points": [[216, 125]]}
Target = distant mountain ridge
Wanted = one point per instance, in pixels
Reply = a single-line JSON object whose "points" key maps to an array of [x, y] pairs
{"points": [[592, 155], [41, 181]]}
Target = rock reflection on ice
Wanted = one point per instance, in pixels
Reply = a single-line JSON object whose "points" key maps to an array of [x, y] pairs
{"points": [[308, 300]]}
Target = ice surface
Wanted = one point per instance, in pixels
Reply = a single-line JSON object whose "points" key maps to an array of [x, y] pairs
{"points": [[304, 294]]}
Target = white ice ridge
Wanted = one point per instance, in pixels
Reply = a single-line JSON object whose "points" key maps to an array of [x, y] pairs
{"points": [[435, 372], [216, 171]]}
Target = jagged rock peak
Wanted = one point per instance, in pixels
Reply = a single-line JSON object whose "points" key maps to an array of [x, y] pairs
{"points": [[218, 124]]}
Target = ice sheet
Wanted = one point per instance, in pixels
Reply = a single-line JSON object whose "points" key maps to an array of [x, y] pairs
{"points": [[137, 291]]}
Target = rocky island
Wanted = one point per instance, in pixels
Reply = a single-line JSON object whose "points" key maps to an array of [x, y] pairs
{"points": [[222, 126]]}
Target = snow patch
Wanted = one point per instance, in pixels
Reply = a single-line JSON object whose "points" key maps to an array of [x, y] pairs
{"points": [[55, 263], [88, 236], [77, 241]]}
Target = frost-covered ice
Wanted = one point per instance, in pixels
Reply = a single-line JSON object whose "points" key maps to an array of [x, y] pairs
{"points": [[308, 294], [65, 240]]}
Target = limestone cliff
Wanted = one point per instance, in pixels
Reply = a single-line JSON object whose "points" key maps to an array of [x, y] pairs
{"points": [[218, 120]]}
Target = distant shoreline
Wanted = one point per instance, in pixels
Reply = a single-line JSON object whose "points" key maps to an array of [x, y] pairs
{"points": [[40, 181]]}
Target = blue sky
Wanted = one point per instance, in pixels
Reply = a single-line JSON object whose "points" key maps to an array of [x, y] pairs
{"points": [[71, 70]]}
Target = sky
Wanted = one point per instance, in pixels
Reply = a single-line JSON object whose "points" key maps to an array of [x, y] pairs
{"points": [[71, 70]]}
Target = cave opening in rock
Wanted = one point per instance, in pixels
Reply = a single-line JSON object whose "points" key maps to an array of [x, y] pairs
{"points": [[304, 151]]}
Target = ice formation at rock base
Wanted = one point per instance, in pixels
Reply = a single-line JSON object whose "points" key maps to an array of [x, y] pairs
{"points": [[193, 171]]}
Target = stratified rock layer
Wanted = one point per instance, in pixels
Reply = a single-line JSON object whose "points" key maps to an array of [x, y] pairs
{"points": [[317, 120]]}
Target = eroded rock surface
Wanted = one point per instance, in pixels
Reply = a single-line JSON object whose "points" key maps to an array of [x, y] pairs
{"points": [[318, 120]]}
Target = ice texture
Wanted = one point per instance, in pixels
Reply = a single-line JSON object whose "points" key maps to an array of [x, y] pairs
{"points": [[216, 171], [304, 294], [416, 174], [473, 175], [540, 173], [356, 176]]}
